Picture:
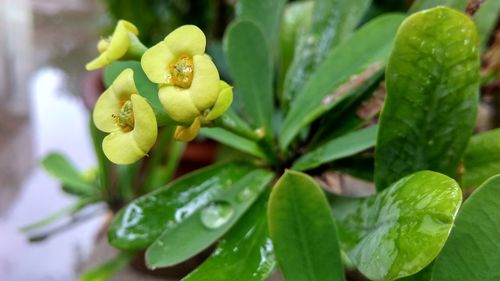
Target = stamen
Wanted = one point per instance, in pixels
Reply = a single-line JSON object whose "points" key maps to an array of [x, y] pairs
{"points": [[182, 72], [125, 119]]}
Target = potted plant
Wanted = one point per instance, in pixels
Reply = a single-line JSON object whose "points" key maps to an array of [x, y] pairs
{"points": [[304, 107]]}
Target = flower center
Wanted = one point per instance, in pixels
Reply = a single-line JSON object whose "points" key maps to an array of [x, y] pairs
{"points": [[125, 119], [182, 72]]}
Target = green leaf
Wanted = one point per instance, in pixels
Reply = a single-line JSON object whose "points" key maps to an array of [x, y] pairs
{"points": [[472, 253], [105, 271], [234, 141], [266, 14], [144, 220], [207, 219], [146, 88], [420, 5], [482, 158], [332, 21], [399, 231], [296, 18], [486, 18], [246, 251], [338, 148], [59, 167], [250, 62], [348, 68], [432, 96], [303, 231]]}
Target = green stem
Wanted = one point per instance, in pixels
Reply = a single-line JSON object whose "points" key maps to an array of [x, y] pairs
{"points": [[59, 214]]}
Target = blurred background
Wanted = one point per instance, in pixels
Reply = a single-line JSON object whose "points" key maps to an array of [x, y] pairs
{"points": [[44, 45]]}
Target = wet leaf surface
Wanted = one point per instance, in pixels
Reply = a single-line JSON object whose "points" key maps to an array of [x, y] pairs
{"points": [[399, 231], [472, 253], [432, 96]]}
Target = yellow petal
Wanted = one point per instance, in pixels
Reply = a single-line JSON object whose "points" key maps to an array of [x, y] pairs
{"points": [[178, 103], [120, 41], [112, 99], [129, 26], [155, 63], [121, 148], [205, 86], [183, 133], [117, 47], [223, 102], [107, 104], [124, 86], [101, 61], [145, 128], [186, 40]]}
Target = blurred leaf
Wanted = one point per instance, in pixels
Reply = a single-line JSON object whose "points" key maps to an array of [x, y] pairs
{"points": [[303, 231], [486, 19], [482, 158], [146, 88], [144, 220], [296, 18], [432, 96], [245, 252], [208, 219], [338, 148], [107, 270], [250, 62], [472, 253], [350, 67], [103, 164], [266, 14], [67, 211], [420, 5], [332, 21], [400, 230], [59, 167], [234, 141]]}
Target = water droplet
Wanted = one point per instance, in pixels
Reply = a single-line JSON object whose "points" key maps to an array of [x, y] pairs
{"points": [[245, 195], [216, 214]]}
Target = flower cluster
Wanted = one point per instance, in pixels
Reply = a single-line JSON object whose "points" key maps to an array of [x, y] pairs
{"points": [[190, 90], [190, 87]]}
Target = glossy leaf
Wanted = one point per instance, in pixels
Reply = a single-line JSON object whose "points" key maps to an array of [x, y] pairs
{"points": [[266, 14], [332, 21], [338, 148], [107, 270], [482, 158], [146, 88], [399, 231], [246, 251], [432, 96], [234, 141], [303, 231], [472, 253], [204, 223], [141, 222], [420, 5], [348, 68], [252, 77], [59, 167]]}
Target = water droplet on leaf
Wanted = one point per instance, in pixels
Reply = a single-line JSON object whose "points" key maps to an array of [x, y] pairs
{"points": [[216, 214], [246, 194]]}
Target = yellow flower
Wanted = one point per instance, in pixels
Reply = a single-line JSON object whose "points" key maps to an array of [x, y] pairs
{"points": [[129, 119], [123, 44], [224, 99], [188, 79]]}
